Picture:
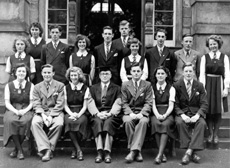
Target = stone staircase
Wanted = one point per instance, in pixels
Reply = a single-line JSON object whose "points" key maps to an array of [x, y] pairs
{"points": [[224, 135]]}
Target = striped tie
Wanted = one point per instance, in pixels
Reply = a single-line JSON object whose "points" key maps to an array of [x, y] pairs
{"points": [[189, 88], [135, 88]]}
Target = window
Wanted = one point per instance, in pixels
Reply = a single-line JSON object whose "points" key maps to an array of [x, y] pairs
{"points": [[57, 13], [164, 17]]}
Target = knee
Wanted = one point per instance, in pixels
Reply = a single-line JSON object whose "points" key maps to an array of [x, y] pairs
{"points": [[179, 122], [202, 123], [143, 121]]}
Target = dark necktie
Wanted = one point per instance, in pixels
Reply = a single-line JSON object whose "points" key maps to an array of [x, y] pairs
{"points": [[35, 42], [134, 59], [187, 54], [75, 87], [103, 94], [160, 90], [107, 50], [135, 88], [47, 86], [19, 56], [20, 88], [55, 45], [214, 56], [189, 88]]}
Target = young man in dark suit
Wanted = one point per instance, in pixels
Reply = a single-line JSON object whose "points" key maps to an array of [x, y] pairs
{"points": [[121, 43], [190, 107], [137, 99], [107, 54], [105, 107], [160, 55], [56, 53]]}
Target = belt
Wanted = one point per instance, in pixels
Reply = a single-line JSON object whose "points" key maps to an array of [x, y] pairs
{"points": [[75, 106], [164, 105], [213, 75], [37, 59]]}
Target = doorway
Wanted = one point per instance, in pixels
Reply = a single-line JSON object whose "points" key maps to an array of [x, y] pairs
{"points": [[95, 14]]}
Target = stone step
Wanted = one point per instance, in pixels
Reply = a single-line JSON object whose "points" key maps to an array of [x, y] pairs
{"points": [[224, 143]]}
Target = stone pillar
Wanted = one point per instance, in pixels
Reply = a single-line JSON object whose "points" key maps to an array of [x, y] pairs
{"points": [[186, 16], [149, 37]]}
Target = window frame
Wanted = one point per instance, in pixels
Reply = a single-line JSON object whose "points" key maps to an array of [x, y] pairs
{"points": [[169, 43], [65, 40]]}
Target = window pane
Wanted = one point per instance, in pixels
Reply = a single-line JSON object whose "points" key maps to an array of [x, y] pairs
{"points": [[168, 29], [57, 4], [164, 18], [58, 17], [164, 4], [63, 35]]}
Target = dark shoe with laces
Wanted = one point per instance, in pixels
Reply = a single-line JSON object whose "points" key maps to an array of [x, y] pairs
{"points": [[185, 159], [73, 155], [108, 158], [14, 153], [158, 159], [20, 155], [195, 158], [99, 157], [139, 157], [130, 157]]}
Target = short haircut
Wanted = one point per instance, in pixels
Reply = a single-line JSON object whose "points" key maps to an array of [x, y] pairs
{"points": [[161, 30], [82, 37], [139, 64], [48, 66], [187, 64], [55, 27], [37, 25], [187, 35], [107, 27], [166, 70], [124, 22], [216, 38], [81, 76], [133, 41], [24, 40], [19, 65]]}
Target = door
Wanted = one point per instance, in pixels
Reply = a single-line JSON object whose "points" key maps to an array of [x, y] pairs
{"points": [[95, 14]]}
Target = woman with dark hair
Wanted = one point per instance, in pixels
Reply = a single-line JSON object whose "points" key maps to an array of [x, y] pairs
{"points": [[83, 59], [76, 119], [134, 45], [36, 42], [162, 122], [215, 75], [20, 46], [18, 115]]}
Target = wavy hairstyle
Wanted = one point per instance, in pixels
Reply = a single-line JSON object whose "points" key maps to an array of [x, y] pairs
{"points": [[81, 77]]}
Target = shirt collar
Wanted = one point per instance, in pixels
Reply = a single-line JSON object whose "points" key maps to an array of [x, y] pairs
{"points": [[186, 81], [138, 82], [56, 43], [84, 53], [103, 85], [23, 55], [131, 57], [160, 48], [162, 86], [217, 54], [79, 85], [33, 40], [126, 38], [185, 52], [16, 83]]}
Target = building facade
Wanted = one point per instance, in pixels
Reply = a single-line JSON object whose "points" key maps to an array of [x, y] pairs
{"points": [[198, 17]]}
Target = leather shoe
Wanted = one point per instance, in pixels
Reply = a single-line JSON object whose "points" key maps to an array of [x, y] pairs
{"points": [[99, 157], [185, 159], [164, 158], [14, 153], [107, 158], [216, 139], [158, 159], [130, 157], [73, 154], [46, 157], [139, 157], [195, 158], [20, 155], [80, 155]]}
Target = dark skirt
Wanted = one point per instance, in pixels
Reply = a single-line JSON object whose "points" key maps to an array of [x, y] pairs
{"points": [[15, 125], [167, 126], [214, 95], [109, 125], [80, 125], [38, 76]]}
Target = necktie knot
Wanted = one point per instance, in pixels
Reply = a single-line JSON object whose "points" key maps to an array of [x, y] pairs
{"points": [[214, 56], [160, 90], [19, 56], [47, 86], [187, 54], [35, 42], [55, 45], [124, 41]]}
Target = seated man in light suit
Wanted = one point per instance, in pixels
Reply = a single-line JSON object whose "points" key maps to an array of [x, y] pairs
{"points": [[190, 107], [137, 99], [105, 106], [48, 103]]}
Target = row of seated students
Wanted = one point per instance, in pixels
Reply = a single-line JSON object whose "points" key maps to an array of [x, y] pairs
{"points": [[104, 107]]}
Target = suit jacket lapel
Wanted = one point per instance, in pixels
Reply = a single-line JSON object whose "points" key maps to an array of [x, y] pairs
{"points": [[164, 55], [102, 51], [182, 56], [183, 88], [194, 89], [140, 89], [130, 87], [155, 54], [52, 89], [111, 51], [43, 89]]}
